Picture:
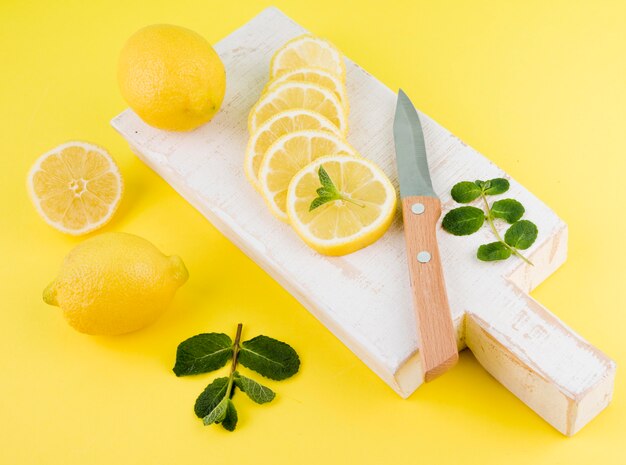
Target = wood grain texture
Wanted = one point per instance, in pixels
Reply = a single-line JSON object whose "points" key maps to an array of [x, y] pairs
{"points": [[438, 350], [364, 298]]}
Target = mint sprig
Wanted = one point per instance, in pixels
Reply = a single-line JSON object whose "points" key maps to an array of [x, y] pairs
{"points": [[328, 192], [463, 221], [210, 351]]}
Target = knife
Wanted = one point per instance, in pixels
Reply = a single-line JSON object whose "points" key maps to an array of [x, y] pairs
{"points": [[421, 209]]}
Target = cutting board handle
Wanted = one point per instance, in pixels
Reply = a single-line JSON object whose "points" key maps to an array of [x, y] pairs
{"points": [[438, 348]]}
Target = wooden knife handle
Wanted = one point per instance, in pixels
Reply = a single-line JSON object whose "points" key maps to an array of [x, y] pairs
{"points": [[438, 349]]}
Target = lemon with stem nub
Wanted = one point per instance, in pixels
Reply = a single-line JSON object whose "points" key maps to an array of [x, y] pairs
{"points": [[115, 283], [171, 77]]}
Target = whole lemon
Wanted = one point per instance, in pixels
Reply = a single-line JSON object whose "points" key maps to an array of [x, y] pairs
{"points": [[115, 283], [171, 77]]}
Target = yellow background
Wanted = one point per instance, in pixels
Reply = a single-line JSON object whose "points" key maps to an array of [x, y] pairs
{"points": [[537, 86]]}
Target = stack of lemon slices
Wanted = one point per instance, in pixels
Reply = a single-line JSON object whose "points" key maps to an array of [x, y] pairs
{"points": [[298, 157]]}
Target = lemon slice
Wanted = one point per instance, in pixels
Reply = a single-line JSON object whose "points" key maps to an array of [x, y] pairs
{"points": [[275, 127], [75, 187], [287, 156], [316, 76], [297, 94], [339, 227], [308, 51]]}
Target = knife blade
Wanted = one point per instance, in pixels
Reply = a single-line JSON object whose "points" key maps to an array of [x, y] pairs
{"points": [[421, 209]]}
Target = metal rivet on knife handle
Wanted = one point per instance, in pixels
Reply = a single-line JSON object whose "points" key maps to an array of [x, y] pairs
{"points": [[423, 257], [418, 208]]}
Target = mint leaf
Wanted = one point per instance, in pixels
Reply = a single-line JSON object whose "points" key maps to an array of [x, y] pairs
{"points": [[255, 391], [210, 397], [463, 221], [203, 353], [269, 357], [465, 192], [509, 210], [521, 235], [318, 202], [495, 186], [325, 180], [327, 193], [230, 420], [493, 251], [218, 413]]}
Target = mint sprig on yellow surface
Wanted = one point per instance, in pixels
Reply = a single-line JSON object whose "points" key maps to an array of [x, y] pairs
{"points": [[466, 220], [210, 351]]}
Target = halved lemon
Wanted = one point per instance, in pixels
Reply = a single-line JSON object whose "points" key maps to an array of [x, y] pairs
{"points": [[76, 187], [278, 125], [297, 94], [366, 209], [287, 156], [316, 76], [308, 51]]}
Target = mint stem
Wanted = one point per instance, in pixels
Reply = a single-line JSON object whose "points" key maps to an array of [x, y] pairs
{"points": [[233, 365], [513, 250], [347, 199]]}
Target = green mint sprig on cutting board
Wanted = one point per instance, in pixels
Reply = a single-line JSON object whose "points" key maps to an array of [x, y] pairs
{"points": [[210, 351], [466, 220]]}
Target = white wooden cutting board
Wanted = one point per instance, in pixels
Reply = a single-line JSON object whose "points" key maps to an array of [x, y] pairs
{"points": [[364, 298]]}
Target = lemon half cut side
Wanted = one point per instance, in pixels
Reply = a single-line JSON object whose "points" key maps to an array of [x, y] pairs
{"points": [[75, 187]]}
